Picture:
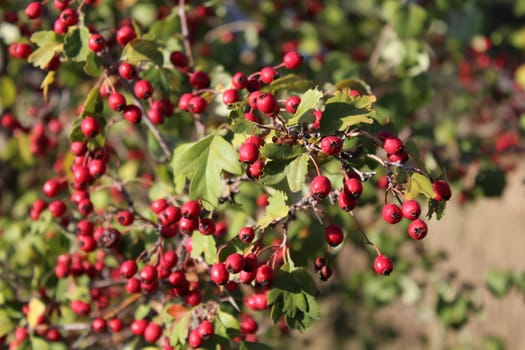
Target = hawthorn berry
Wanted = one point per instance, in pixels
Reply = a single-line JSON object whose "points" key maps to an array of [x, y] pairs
{"points": [[392, 213], [255, 169], [116, 101], [188, 225], [346, 202], [331, 145], [234, 263], [239, 80], [61, 4], [84, 228], [442, 190], [115, 325], [399, 157], [246, 234], [219, 274], [169, 259], [139, 326], [89, 126], [128, 268], [158, 205], [98, 325], [191, 209], [33, 10], [268, 74], [152, 332], [392, 145], [411, 209], [230, 96], [178, 59], [169, 215], [292, 103], [80, 307], [417, 229], [143, 89], [20, 50], [206, 226], [127, 71], [57, 208], [69, 17], [267, 103], [264, 275], [199, 80], [184, 101], [334, 235], [292, 59], [195, 338], [325, 273], [383, 265], [96, 42], [353, 187], [197, 104], [125, 34], [206, 329], [320, 187], [51, 188], [148, 274], [248, 152]]}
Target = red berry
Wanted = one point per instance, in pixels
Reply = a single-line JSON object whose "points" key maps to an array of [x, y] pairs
{"points": [[292, 103], [253, 84], [353, 187], [127, 71], [78, 148], [20, 50], [148, 274], [21, 334], [169, 259], [325, 273], [268, 74], [188, 225], [252, 98], [331, 145], [128, 268], [57, 208], [255, 170], [97, 167], [84, 228], [264, 275], [230, 96], [179, 59], [334, 235], [206, 226], [158, 205], [248, 325], [33, 10], [234, 263], [199, 80], [194, 338], [197, 104], [89, 126], [392, 213], [152, 332], [61, 4], [184, 101], [115, 324], [392, 145], [399, 157], [96, 42], [411, 209], [69, 17], [292, 60], [267, 103], [248, 152], [53, 335], [219, 274], [80, 307], [125, 217], [143, 89], [246, 234], [417, 229], [85, 207], [51, 187], [320, 187], [383, 265], [133, 285], [116, 101], [138, 327], [191, 209], [239, 80], [346, 202], [442, 190], [206, 329], [98, 325], [169, 215], [125, 34]]}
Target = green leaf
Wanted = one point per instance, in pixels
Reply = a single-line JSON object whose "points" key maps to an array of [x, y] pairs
{"points": [[204, 244], [436, 207], [277, 151], [138, 51], [39, 343], [342, 111], [228, 320], [309, 100], [202, 163], [498, 283], [76, 44], [49, 43], [354, 84], [275, 209], [36, 309], [409, 20], [179, 332], [245, 345], [296, 172], [92, 106], [6, 325], [289, 82], [418, 183], [7, 92], [93, 66]]}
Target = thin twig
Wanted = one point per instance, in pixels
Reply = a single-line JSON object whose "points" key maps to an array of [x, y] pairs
{"points": [[185, 32]]}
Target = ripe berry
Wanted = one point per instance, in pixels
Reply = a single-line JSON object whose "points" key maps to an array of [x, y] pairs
{"points": [[246, 234], [292, 103], [199, 80], [148, 274], [98, 325], [206, 329], [51, 187], [268, 74], [191, 209], [206, 226], [89, 126], [179, 59], [325, 273], [239, 80], [143, 89], [85, 207], [33, 10], [353, 187], [69, 17], [188, 225], [264, 275], [331, 145], [169, 215], [57, 208], [80, 307], [383, 265], [392, 145], [169, 259], [219, 274], [158, 205], [255, 170], [399, 157], [138, 327], [442, 190], [97, 167], [78, 148], [128, 268], [127, 71], [184, 101], [116, 101], [194, 338], [346, 202], [84, 228], [417, 229], [133, 285], [20, 50], [125, 34], [392, 213], [320, 187], [197, 104], [96, 42], [248, 152], [267, 103], [107, 237], [230, 96], [234, 262], [115, 325], [152, 332], [292, 60], [246, 277], [248, 325], [334, 235], [21, 334], [53, 335], [411, 209]]}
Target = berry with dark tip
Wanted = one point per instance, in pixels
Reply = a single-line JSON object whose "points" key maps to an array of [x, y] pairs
{"points": [[331, 145], [320, 187], [417, 229], [411, 209], [383, 265], [392, 213]]}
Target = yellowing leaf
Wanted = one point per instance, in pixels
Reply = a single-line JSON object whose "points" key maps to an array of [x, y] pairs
{"points": [[276, 209], [48, 80], [7, 92], [418, 183], [36, 309]]}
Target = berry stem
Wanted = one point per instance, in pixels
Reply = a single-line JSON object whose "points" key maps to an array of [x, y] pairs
{"points": [[362, 232], [185, 33]]}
